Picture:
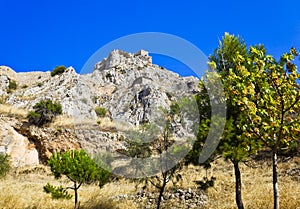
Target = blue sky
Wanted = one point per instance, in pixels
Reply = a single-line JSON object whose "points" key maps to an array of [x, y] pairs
{"points": [[39, 35]]}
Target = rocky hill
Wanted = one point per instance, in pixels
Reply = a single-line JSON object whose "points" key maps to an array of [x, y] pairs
{"points": [[128, 86]]}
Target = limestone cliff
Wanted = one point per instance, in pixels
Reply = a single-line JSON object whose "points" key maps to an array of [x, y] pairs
{"points": [[127, 85]]}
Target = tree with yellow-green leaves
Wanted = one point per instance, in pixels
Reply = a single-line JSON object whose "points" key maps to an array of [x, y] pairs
{"points": [[267, 92], [263, 105]]}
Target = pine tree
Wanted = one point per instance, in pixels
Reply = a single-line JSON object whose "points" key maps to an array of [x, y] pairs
{"points": [[79, 168], [234, 146]]}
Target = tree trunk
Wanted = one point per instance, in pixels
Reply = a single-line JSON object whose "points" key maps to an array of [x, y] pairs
{"points": [[76, 196], [238, 186], [275, 180], [161, 191]]}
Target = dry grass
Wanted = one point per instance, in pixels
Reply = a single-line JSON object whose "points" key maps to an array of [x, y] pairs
{"points": [[257, 186], [24, 189], [105, 124], [63, 121], [10, 110], [69, 122]]}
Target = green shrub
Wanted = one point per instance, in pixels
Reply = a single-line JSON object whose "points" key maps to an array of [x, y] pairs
{"points": [[2, 99], [11, 86], [174, 109], [57, 192], [4, 165], [101, 111], [58, 70], [84, 100], [94, 99], [44, 112]]}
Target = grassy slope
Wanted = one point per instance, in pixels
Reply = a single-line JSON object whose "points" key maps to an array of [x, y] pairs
{"points": [[24, 188]]}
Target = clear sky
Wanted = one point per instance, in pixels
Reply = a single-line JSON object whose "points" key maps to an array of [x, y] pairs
{"points": [[39, 35]]}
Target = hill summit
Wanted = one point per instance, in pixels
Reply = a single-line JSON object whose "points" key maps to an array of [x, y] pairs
{"points": [[129, 87]]}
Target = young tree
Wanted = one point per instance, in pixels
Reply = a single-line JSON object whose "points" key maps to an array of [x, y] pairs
{"points": [[171, 154], [166, 173], [79, 168], [268, 94], [234, 146], [154, 145]]}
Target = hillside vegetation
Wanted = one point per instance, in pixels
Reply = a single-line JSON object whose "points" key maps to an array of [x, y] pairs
{"points": [[131, 134]]}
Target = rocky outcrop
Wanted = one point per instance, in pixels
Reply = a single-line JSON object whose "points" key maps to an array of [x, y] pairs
{"points": [[139, 87], [22, 151], [128, 86], [50, 140], [65, 88], [30, 145]]}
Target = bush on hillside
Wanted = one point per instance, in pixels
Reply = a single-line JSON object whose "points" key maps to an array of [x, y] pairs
{"points": [[4, 164], [11, 86], [44, 112], [101, 111], [58, 70]]}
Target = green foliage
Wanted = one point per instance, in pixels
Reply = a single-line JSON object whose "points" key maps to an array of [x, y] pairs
{"points": [[84, 100], [137, 147], [12, 86], [4, 164], [94, 99], [223, 57], [206, 183], [104, 159], [174, 109], [153, 140], [101, 111], [263, 101], [234, 145], [2, 99], [57, 192], [168, 154], [268, 94], [44, 112], [58, 70], [79, 168]]}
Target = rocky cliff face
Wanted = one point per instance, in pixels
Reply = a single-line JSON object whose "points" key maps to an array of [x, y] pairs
{"points": [[21, 150], [132, 87], [127, 85]]}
